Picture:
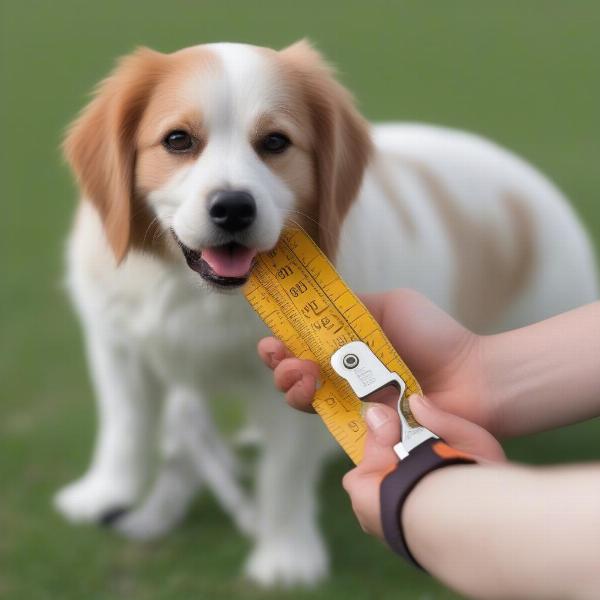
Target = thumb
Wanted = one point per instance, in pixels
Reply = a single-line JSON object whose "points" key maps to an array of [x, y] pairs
{"points": [[456, 431], [383, 432]]}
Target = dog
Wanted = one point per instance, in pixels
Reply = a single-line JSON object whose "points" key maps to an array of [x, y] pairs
{"points": [[190, 164]]}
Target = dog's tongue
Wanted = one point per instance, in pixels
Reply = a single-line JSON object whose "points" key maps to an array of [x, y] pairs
{"points": [[229, 261]]}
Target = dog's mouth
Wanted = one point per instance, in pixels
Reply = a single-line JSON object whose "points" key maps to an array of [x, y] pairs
{"points": [[226, 266]]}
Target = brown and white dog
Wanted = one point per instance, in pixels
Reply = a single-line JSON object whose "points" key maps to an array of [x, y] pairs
{"points": [[189, 164]]}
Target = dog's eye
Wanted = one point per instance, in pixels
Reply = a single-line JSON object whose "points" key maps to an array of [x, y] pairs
{"points": [[275, 143], [178, 141]]}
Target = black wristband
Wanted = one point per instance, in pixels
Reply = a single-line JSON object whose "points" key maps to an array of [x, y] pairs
{"points": [[396, 486]]}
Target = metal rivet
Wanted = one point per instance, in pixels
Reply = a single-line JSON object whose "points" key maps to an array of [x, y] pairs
{"points": [[350, 361]]}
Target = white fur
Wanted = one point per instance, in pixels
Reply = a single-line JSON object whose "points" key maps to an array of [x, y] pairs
{"points": [[154, 334]]}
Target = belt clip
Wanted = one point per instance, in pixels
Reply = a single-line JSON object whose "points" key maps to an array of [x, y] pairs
{"points": [[357, 364]]}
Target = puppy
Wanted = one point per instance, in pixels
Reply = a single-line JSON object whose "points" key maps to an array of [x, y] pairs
{"points": [[189, 165]]}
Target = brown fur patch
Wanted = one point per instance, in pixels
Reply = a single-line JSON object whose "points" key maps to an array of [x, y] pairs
{"points": [[170, 109], [341, 142], [295, 166], [490, 273], [391, 192], [103, 144], [100, 147]]}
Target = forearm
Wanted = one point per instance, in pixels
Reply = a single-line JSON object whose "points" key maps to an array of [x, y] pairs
{"points": [[498, 531], [544, 375]]}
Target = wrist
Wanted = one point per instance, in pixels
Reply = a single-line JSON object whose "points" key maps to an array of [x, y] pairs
{"points": [[398, 485], [427, 516], [472, 367], [509, 376], [493, 385]]}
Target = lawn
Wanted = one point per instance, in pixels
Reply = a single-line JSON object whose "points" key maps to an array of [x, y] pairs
{"points": [[524, 73]]}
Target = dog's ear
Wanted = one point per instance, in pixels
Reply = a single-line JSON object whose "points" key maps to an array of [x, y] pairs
{"points": [[100, 145], [341, 140]]}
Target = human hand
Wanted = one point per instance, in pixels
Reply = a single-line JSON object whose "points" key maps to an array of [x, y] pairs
{"points": [[364, 481], [445, 357]]}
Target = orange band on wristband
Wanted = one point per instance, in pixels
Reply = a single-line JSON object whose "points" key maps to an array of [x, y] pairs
{"points": [[444, 451]]}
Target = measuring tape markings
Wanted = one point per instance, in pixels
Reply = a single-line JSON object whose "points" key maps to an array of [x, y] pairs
{"points": [[337, 405], [303, 300]]}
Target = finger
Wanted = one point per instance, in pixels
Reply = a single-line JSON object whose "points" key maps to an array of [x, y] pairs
{"points": [[456, 431], [298, 379], [374, 303], [383, 433], [290, 370], [272, 351], [301, 395], [364, 489]]}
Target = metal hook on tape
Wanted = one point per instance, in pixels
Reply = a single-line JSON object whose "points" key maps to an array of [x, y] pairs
{"points": [[366, 374]]}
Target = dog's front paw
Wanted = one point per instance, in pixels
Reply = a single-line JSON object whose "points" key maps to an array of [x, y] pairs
{"points": [[290, 561], [94, 499], [155, 518], [143, 527]]}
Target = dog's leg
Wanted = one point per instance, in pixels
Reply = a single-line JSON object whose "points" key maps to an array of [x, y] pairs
{"points": [[290, 549], [175, 487], [127, 399], [194, 452]]}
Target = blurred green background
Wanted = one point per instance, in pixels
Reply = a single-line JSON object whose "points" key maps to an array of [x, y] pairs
{"points": [[524, 73]]}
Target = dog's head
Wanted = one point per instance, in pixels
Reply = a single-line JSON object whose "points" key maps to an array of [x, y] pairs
{"points": [[218, 147]]}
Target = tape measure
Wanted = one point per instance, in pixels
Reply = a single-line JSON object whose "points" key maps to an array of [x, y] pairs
{"points": [[303, 300]]}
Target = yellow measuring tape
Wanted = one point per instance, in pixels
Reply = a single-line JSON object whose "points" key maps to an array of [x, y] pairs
{"points": [[301, 297]]}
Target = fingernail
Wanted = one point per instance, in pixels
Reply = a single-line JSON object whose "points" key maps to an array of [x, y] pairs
{"points": [[376, 417]]}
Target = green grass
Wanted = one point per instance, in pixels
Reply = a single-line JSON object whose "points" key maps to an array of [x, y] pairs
{"points": [[524, 73]]}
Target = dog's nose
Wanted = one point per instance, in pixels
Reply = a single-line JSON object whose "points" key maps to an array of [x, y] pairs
{"points": [[232, 210]]}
